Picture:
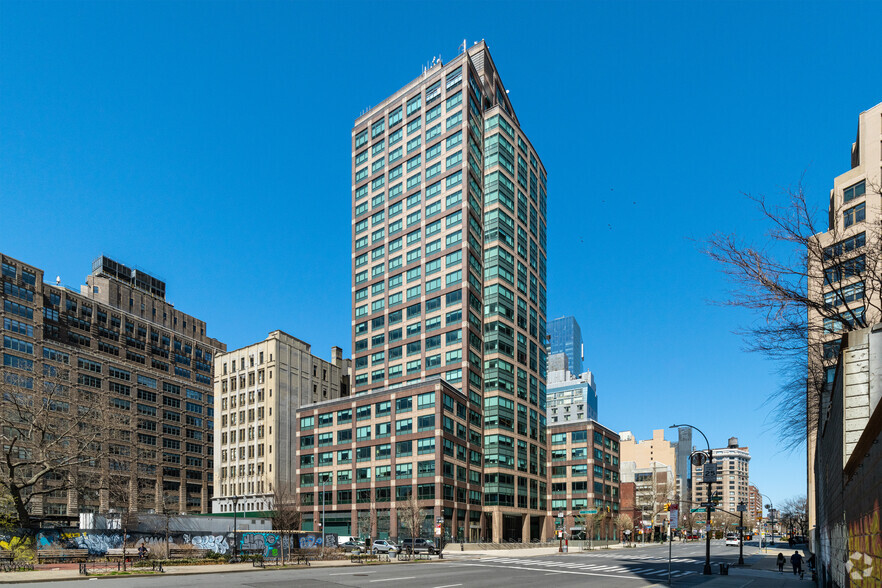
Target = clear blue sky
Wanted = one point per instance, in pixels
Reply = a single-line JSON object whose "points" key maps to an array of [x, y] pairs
{"points": [[208, 143]]}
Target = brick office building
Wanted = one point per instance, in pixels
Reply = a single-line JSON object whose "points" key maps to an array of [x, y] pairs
{"points": [[118, 337], [584, 468], [364, 455]]}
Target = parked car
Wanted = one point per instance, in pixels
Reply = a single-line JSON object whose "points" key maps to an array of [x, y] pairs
{"points": [[692, 536], [418, 545], [348, 546], [732, 539], [384, 546]]}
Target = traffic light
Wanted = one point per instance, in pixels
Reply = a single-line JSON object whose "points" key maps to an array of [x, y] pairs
{"points": [[607, 509], [667, 506]]}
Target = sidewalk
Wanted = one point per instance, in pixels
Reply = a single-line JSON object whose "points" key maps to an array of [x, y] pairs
{"points": [[759, 571], [59, 572]]}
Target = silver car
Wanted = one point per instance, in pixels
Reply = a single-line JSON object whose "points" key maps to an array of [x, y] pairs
{"points": [[383, 546]]}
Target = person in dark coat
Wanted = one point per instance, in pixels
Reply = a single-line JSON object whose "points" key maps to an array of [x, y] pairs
{"points": [[796, 561], [781, 561]]}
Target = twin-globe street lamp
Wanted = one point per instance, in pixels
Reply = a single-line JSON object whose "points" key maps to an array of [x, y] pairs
{"points": [[709, 459]]}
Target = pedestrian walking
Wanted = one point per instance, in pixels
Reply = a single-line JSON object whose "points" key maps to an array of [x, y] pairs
{"points": [[796, 561], [781, 561]]}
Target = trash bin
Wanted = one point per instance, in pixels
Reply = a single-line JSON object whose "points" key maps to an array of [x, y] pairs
{"points": [[724, 569]]}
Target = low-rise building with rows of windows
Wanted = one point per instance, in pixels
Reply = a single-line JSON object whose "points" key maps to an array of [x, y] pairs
{"points": [[359, 459], [584, 477]]}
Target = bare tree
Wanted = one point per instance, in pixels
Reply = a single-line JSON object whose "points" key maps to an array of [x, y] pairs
{"points": [[687, 520], [363, 524], [783, 283], [47, 430], [285, 504], [663, 494], [412, 516], [624, 523], [123, 493], [794, 513], [590, 522]]}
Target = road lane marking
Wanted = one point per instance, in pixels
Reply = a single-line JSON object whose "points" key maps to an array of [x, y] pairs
{"points": [[574, 572], [350, 573], [393, 579], [448, 586]]}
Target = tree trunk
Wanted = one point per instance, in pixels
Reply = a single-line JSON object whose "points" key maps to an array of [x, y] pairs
{"points": [[24, 517]]}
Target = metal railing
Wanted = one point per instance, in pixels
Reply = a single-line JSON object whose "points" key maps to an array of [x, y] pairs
{"points": [[103, 567]]}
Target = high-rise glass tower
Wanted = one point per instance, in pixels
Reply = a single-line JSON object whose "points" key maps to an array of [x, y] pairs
{"points": [[565, 336], [449, 263]]}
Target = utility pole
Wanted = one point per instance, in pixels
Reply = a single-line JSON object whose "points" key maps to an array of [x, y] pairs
{"points": [[325, 479], [235, 558], [670, 550], [741, 509]]}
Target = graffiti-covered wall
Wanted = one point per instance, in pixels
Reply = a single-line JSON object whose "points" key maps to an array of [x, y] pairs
{"points": [[268, 543], [848, 468]]}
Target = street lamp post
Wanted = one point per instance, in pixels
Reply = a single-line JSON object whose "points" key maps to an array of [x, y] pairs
{"points": [[710, 458], [324, 481], [235, 557], [741, 509]]}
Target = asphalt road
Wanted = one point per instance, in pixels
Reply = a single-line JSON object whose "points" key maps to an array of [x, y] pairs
{"points": [[620, 567]]}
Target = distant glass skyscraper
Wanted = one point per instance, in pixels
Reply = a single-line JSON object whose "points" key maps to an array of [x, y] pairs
{"points": [[565, 336]]}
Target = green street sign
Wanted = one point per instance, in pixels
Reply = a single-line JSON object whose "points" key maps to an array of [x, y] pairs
{"points": [[590, 511], [696, 510], [699, 522]]}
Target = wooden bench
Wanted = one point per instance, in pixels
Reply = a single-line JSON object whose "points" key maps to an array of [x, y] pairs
{"points": [[53, 553], [180, 552], [115, 553], [8, 562]]}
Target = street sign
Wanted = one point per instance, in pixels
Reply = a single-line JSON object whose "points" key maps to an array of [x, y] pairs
{"points": [[710, 473], [699, 522], [589, 511], [560, 515], [440, 520], [674, 517], [741, 508], [697, 510], [438, 531]]}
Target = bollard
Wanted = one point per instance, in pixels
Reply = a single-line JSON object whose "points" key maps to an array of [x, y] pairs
{"points": [[724, 569]]}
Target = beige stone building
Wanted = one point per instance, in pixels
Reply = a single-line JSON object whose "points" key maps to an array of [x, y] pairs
{"points": [[118, 337], [648, 451], [854, 218], [733, 477], [258, 389]]}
